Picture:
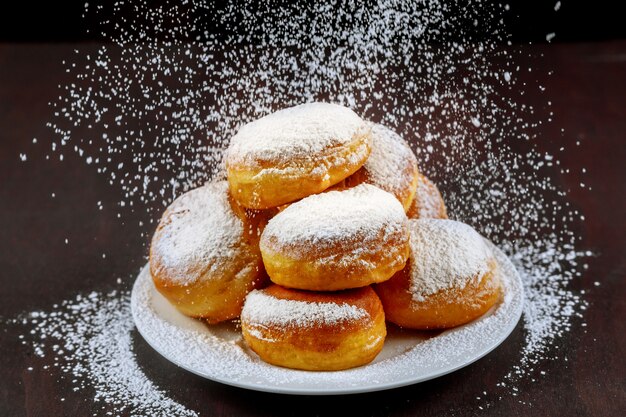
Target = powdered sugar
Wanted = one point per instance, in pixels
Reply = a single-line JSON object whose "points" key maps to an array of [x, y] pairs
{"points": [[392, 165], [417, 67], [356, 217], [90, 340], [219, 352], [444, 254], [199, 232], [264, 309], [301, 132]]}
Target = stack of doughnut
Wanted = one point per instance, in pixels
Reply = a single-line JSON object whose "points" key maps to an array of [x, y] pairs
{"points": [[324, 231]]}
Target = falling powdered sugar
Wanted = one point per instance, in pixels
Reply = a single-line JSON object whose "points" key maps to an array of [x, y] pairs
{"points": [[265, 309]]}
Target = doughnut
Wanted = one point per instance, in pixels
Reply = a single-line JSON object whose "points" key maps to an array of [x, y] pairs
{"points": [[204, 256], [337, 240], [295, 152], [314, 331], [450, 279], [391, 166], [427, 202]]}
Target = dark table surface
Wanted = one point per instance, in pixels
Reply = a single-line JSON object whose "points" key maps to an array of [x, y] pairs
{"points": [[588, 94]]}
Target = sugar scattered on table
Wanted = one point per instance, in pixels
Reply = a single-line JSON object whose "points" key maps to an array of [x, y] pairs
{"points": [[96, 331]]}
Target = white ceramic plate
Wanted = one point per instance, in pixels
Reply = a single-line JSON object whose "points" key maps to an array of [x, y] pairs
{"points": [[220, 354]]}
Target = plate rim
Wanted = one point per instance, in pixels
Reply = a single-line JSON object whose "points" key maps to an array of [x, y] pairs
{"points": [[368, 387]]}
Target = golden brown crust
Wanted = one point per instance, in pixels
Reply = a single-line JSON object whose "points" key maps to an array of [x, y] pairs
{"points": [[444, 309], [263, 185], [427, 201], [204, 285], [320, 346], [322, 269]]}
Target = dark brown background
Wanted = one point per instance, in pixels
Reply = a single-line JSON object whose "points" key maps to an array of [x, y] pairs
{"points": [[526, 20], [588, 92]]}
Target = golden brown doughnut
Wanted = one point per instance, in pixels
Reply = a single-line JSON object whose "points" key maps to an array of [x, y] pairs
{"points": [[295, 152], [391, 166], [204, 256], [314, 331], [337, 240], [427, 202], [450, 279]]}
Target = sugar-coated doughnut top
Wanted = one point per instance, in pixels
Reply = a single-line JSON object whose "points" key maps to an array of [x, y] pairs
{"points": [[294, 133], [444, 254], [389, 159], [356, 217], [198, 232], [262, 308]]}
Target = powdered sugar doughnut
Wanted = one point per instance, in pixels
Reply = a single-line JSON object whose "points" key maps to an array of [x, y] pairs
{"points": [[427, 201], [450, 278], [295, 152], [314, 331], [391, 166], [204, 256], [337, 240]]}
